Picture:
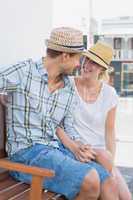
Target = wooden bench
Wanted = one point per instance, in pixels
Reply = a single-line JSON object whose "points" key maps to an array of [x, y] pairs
{"points": [[10, 189]]}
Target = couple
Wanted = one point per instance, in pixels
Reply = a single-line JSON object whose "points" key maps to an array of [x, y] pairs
{"points": [[42, 99]]}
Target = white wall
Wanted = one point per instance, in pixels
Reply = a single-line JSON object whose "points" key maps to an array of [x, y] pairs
{"points": [[24, 24], [75, 13]]}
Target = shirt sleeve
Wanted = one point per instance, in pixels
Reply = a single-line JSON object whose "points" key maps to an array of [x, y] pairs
{"points": [[11, 76], [114, 99], [68, 122]]}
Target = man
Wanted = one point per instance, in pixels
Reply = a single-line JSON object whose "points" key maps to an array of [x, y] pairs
{"points": [[40, 100]]}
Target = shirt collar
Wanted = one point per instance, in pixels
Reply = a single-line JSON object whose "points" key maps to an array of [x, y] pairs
{"points": [[42, 70]]}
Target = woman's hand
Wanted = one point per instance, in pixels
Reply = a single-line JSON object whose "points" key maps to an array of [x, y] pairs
{"points": [[84, 153]]}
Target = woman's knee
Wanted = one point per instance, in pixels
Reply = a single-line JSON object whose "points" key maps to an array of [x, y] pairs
{"points": [[126, 195], [91, 183], [110, 185], [129, 196]]}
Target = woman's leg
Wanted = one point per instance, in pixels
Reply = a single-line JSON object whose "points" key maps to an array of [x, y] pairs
{"points": [[124, 193], [104, 158], [109, 190]]}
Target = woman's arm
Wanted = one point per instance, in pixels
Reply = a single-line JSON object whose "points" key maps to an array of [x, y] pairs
{"points": [[110, 132], [106, 157]]}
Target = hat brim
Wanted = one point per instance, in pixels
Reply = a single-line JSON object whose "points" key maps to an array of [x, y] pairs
{"points": [[57, 47], [95, 59]]}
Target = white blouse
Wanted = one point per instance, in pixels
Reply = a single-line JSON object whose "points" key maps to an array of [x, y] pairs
{"points": [[89, 118]]}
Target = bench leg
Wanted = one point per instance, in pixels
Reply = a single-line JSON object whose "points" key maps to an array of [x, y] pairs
{"points": [[36, 188]]}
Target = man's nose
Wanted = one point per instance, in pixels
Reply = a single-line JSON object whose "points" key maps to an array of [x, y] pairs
{"points": [[78, 66]]}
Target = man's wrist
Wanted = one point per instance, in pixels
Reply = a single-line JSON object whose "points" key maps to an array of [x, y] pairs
{"points": [[74, 146], [78, 142]]}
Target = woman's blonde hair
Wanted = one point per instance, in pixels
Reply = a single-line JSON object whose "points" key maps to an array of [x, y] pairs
{"points": [[104, 75]]}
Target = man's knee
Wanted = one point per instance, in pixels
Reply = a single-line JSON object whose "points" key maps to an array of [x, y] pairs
{"points": [[91, 183]]}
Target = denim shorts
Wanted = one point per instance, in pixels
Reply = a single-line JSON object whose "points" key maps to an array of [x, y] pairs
{"points": [[69, 173]]}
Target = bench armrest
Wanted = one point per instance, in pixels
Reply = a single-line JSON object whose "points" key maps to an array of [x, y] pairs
{"points": [[14, 166], [38, 175]]}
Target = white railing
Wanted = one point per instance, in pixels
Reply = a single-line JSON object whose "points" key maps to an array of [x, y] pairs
{"points": [[123, 54]]}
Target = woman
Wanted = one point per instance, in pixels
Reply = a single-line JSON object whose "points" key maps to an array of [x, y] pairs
{"points": [[95, 112]]}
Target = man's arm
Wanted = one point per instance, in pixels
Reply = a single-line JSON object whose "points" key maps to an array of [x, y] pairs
{"points": [[81, 152], [68, 121], [11, 76], [66, 140]]}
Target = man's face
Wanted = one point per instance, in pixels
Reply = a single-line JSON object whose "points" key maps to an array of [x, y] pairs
{"points": [[69, 63]]}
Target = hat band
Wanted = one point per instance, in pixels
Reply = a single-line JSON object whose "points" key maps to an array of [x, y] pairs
{"points": [[80, 47], [98, 57]]}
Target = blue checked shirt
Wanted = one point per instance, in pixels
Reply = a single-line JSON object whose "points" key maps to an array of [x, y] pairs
{"points": [[33, 113]]}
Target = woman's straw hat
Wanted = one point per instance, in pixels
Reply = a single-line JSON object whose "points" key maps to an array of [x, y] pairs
{"points": [[66, 39], [101, 53]]}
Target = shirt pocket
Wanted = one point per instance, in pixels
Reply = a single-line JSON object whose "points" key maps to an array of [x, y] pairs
{"points": [[56, 110], [34, 102]]}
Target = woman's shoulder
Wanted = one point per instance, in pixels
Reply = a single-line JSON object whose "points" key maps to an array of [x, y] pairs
{"points": [[110, 95], [108, 89]]}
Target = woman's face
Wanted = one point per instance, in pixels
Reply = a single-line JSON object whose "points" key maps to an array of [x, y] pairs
{"points": [[90, 69]]}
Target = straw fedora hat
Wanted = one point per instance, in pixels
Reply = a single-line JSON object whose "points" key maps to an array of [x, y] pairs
{"points": [[101, 53], [66, 39]]}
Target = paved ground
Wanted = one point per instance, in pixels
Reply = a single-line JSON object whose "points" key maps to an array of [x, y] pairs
{"points": [[124, 130], [128, 175]]}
